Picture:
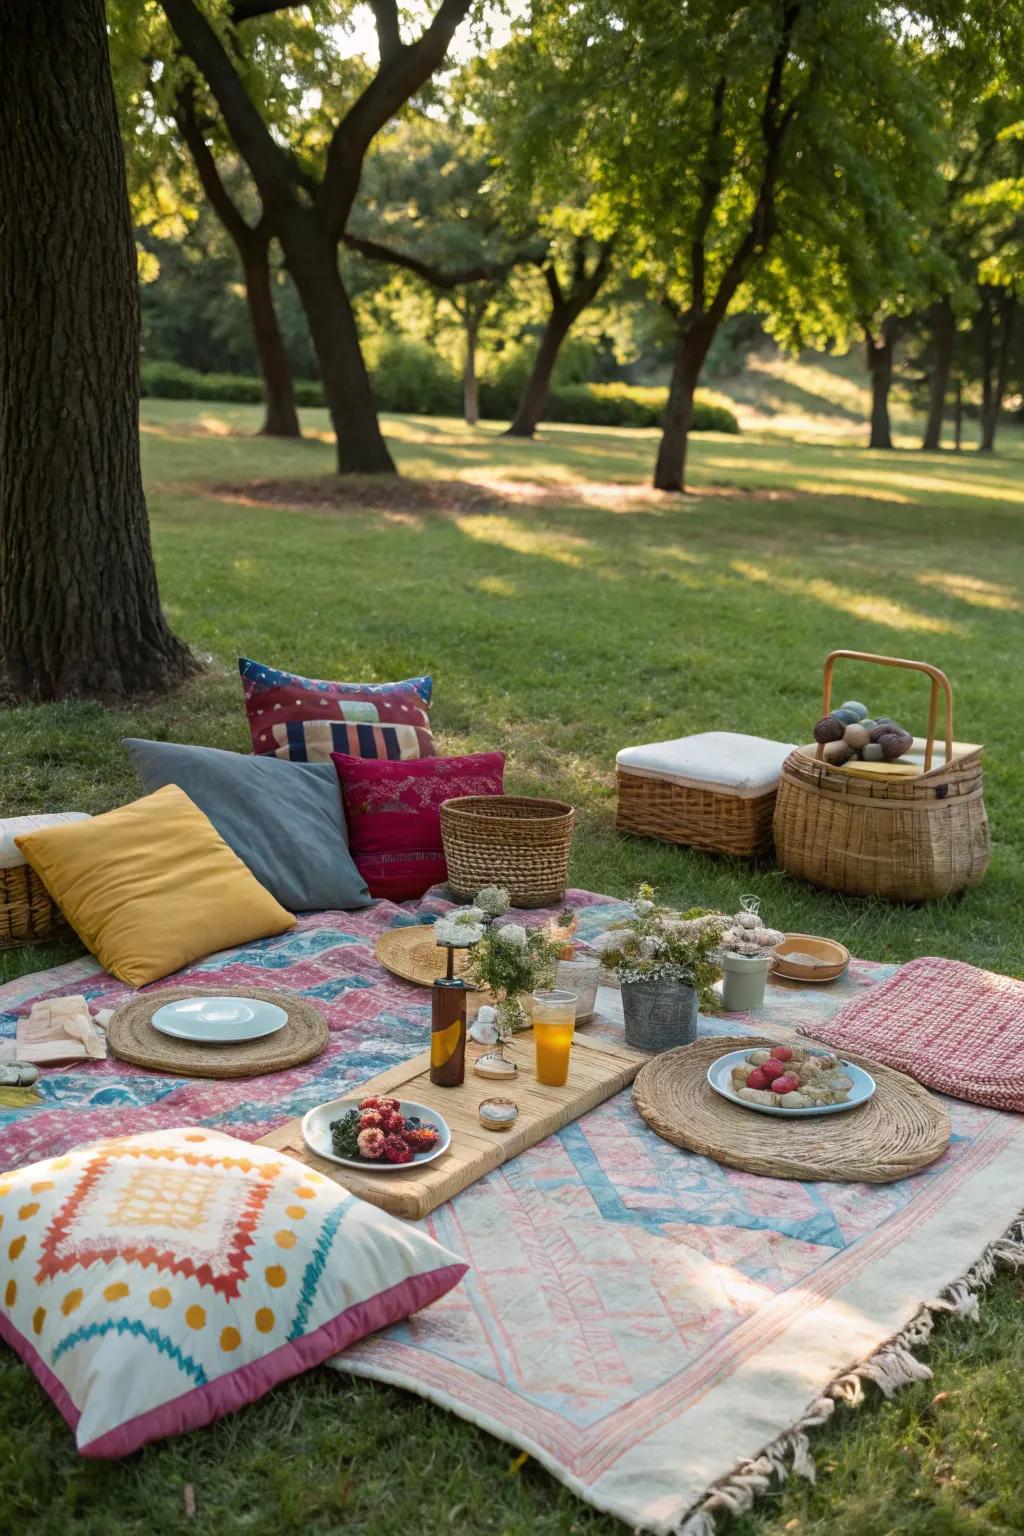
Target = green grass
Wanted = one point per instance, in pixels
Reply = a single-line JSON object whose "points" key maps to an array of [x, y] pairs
{"points": [[565, 611]]}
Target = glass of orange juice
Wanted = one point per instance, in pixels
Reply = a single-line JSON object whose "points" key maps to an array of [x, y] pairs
{"points": [[554, 1019]]}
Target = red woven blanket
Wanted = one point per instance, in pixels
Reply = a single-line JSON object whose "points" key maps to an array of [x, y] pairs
{"points": [[955, 1028]]}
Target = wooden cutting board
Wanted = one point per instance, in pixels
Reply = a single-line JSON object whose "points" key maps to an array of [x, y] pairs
{"points": [[597, 1070]]}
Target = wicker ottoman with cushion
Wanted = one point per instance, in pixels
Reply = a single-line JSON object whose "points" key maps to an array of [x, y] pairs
{"points": [[714, 791], [28, 915]]}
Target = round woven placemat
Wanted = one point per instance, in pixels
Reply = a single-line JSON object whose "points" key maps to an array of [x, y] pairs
{"points": [[132, 1038], [414, 954], [900, 1130]]}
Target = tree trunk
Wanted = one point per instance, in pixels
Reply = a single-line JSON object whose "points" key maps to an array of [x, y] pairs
{"points": [[693, 339], [79, 608], [535, 390], [880, 350], [281, 419], [943, 337], [313, 264], [998, 307], [470, 382], [958, 415]]}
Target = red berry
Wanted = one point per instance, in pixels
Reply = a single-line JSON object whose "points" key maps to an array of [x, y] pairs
{"points": [[423, 1139], [368, 1117], [787, 1083], [757, 1079], [393, 1104], [391, 1122], [772, 1069], [782, 1053], [396, 1151], [371, 1103]]}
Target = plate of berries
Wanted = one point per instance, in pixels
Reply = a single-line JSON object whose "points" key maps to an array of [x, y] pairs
{"points": [[376, 1135], [790, 1082]]}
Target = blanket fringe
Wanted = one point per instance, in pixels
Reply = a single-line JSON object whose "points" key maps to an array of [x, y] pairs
{"points": [[890, 1368]]}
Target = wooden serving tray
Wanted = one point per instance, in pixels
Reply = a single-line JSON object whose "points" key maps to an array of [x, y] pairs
{"points": [[597, 1070]]}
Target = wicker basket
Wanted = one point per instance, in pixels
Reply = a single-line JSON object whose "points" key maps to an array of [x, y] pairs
{"points": [[510, 840], [907, 839], [650, 806], [28, 913]]}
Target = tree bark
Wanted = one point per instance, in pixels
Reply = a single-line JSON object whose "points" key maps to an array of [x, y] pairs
{"points": [[470, 383], [880, 350], [693, 340], [281, 419], [252, 243], [566, 309], [943, 338], [313, 263], [999, 312], [79, 607]]}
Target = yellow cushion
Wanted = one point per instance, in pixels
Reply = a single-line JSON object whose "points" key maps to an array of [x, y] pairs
{"points": [[152, 886]]}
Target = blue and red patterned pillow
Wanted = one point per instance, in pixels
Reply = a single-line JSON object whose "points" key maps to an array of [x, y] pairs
{"points": [[276, 700], [313, 741]]}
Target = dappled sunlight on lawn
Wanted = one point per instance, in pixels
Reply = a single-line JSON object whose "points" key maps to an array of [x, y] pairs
{"points": [[565, 548], [872, 608], [972, 590]]}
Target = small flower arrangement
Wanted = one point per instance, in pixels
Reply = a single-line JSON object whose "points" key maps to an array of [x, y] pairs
{"points": [[508, 962], [462, 928], [660, 944]]}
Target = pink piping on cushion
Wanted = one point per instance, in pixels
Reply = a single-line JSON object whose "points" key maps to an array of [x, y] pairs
{"points": [[203, 1404], [40, 1370]]}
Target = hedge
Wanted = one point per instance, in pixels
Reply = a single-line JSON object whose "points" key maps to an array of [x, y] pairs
{"points": [[414, 381]]}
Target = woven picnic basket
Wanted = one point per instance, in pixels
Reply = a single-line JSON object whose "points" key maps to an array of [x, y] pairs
{"points": [[910, 838], [28, 913], [716, 820], [510, 840]]}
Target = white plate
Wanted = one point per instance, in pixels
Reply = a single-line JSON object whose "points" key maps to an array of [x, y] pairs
{"points": [[219, 1020], [316, 1133], [720, 1080]]}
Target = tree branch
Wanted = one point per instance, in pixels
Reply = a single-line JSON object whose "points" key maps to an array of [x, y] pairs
{"points": [[389, 38], [483, 272], [271, 166], [711, 179], [246, 10], [398, 78], [219, 197]]}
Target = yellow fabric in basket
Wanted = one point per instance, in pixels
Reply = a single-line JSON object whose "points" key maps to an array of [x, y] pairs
{"points": [[152, 886]]}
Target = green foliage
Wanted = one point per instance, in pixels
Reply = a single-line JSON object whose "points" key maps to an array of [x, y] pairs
{"points": [[658, 943], [510, 962], [410, 379]]}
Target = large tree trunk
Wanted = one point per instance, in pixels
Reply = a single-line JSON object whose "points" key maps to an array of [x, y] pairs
{"points": [[535, 390], [999, 312], [943, 336], [470, 381], [281, 419], [313, 264], [693, 339], [880, 350], [79, 609]]}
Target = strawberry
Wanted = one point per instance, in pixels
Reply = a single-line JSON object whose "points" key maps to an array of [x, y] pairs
{"points": [[396, 1151], [757, 1079]]}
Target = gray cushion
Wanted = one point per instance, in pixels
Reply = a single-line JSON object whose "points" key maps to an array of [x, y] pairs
{"points": [[284, 820]]}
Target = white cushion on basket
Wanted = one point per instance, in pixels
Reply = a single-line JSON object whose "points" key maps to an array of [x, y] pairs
{"points": [[745, 766], [21, 826]]}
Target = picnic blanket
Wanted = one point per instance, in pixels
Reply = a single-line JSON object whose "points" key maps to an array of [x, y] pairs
{"points": [[658, 1331]]}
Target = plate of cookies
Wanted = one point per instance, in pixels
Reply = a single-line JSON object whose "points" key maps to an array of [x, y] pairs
{"points": [[790, 1082]]}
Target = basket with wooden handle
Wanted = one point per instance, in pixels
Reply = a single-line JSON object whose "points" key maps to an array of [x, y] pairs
{"points": [[909, 831]]}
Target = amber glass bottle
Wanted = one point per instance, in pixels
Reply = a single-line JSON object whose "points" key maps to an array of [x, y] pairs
{"points": [[448, 1033]]}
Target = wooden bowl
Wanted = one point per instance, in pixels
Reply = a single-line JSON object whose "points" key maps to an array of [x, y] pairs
{"points": [[835, 958]]}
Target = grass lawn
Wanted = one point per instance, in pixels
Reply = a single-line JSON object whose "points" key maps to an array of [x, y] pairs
{"points": [[566, 611]]}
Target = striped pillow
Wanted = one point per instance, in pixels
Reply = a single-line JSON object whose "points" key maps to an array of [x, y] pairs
{"points": [[274, 698], [313, 741]]}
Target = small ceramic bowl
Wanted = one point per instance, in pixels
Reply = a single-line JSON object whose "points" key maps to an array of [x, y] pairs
{"points": [[833, 958], [498, 1114]]}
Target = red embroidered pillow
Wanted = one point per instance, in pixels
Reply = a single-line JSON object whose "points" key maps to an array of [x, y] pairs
{"points": [[274, 698], [393, 815]]}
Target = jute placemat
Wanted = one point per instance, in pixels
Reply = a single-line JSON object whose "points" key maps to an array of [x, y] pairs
{"points": [[131, 1036], [897, 1132], [414, 954]]}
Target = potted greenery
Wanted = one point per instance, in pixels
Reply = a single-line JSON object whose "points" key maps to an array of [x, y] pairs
{"points": [[747, 951], [510, 963], [666, 964]]}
